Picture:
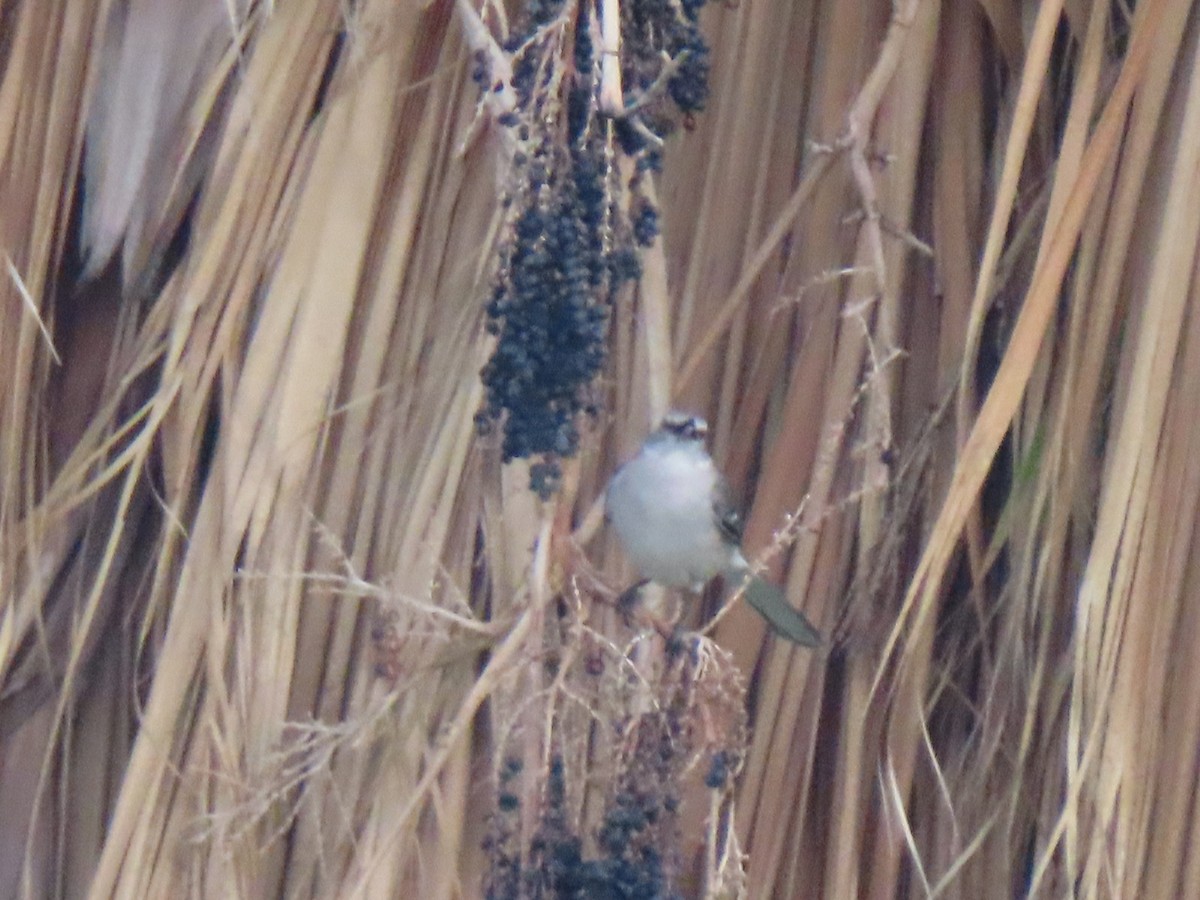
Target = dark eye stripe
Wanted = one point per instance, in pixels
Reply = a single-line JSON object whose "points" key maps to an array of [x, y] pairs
{"points": [[687, 427]]}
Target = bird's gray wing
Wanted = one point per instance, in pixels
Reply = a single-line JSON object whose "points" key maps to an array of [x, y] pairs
{"points": [[729, 520], [768, 599], [616, 477]]}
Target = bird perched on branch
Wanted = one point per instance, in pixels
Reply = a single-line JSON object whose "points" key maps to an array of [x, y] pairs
{"points": [[672, 511]]}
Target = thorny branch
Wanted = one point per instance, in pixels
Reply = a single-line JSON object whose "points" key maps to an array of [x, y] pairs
{"points": [[855, 142]]}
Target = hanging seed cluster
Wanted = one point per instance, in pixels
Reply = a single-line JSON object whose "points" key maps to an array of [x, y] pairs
{"points": [[627, 864], [695, 727], [576, 225]]}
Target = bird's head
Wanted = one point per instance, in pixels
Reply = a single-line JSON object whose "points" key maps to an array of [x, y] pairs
{"points": [[685, 426]]}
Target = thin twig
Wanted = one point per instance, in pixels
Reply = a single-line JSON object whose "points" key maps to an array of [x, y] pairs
{"points": [[27, 298], [507, 655]]}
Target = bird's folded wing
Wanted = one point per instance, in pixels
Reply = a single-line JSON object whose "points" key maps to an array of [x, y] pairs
{"points": [[729, 520]]}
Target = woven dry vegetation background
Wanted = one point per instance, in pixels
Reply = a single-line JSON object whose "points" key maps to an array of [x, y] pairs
{"points": [[276, 622]]}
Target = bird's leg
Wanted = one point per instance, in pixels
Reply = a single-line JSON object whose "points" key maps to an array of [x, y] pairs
{"points": [[663, 610], [634, 613], [629, 604], [628, 599]]}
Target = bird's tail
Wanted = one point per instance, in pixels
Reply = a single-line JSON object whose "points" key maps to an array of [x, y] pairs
{"points": [[785, 620]]}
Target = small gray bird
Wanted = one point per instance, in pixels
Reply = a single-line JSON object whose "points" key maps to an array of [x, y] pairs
{"points": [[672, 511]]}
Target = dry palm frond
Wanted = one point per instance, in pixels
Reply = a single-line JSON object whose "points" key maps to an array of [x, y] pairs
{"points": [[277, 620]]}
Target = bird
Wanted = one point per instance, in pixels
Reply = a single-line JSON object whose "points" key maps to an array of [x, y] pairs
{"points": [[672, 511]]}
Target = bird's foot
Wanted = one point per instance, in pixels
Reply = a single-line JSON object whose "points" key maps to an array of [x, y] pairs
{"points": [[628, 600]]}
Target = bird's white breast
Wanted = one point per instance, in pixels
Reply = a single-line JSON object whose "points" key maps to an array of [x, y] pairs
{"points": [[661, 505]]}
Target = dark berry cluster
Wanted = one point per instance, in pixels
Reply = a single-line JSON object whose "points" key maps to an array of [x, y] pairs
{"points": [[635, 850], [653, 28], [502, 841], [572, 240], [718, 770], [629, 864], [549, 311], [689, 85]]}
